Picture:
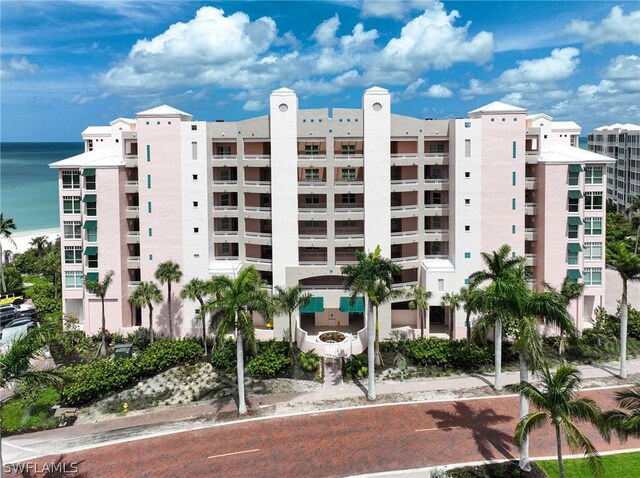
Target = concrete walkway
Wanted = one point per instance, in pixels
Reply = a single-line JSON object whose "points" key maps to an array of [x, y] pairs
{"points": [[336, 394]]}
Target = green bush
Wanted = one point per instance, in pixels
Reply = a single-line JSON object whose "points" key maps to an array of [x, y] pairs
{"points": [[309, 361], [90, 381], [140, 338], [69, 344], [356, 366], [44, 298], [13, 278], [442, 353], [223, 358], [30, 412], [118, 338], [272, 359]]}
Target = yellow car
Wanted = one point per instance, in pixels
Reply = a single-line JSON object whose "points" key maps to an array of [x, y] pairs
{"points": [[10, 298]]}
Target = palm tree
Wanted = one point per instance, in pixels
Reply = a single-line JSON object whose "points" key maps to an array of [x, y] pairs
{"points": [[196, 289], [467, 297], [558, 404], [569, 291], [100, 288], [363, 278], [623, 424], [41, 244], [287, 301], [382, 294], [6, 228], [499, 271], [16, 372], [451, 300], [628, 266], [168, 272], [233, 299], [420, 300], [144, 295], [633, 215]]}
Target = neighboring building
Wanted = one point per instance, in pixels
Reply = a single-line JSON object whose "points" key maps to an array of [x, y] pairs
{"points": [[298, 192], [622, 143]]}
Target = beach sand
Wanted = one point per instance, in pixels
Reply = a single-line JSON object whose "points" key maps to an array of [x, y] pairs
{"points": [[22, 239]]}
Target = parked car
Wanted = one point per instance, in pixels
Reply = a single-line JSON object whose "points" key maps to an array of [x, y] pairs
{"points": [[11, 297], [26, 310], [15, 329], [7, 314], [28, 321]]}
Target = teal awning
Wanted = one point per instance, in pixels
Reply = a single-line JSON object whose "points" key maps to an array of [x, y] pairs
{"points": [[90, 251], [574, 274], [347, 306], [93, 276], [574, 247], [316, 304], [89, 198], [574, 194], [575, 221], [91, 225], [89, 172], [575, 168]]}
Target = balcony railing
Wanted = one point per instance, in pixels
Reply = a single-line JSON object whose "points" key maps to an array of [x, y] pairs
{"points": [[313, 207], [349, 182], [349, 207], [436, 155], [312, 235], [257, 234], [133, 233], [257, 208], [259, 260], [232, 207], [320, 157], [530, 234], [401, 260], [133, 208], [257, 183], [436, 256], [404, 155], [305, 183], [405, 181], [403, 233], [312, 261], [257, 157], [134, 283], [349, 156], [346, 260], [226, 258], [225, 182], [225, 233], [435, 206], [531, 183], [349, 235], [220, 157], [530, 208], [405, 207]]}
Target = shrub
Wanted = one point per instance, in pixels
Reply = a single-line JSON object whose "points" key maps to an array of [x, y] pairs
{"points": [[140, 338], [272, 358], [44, 298], [118, 338], [69, 344], [13, 278], [89, 381], [30, 412], [309, 361], [356, 366], [223, 358], [436, 352]]}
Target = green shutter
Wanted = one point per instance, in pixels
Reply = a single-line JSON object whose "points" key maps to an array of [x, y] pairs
{"points": [[574, 247], [91, 225], [89, 172], [575, 221], [574, 274], [574, 194], [575, 168], [90, 250], [89, 198], [316, 304], [93, 276], [347, 306]]}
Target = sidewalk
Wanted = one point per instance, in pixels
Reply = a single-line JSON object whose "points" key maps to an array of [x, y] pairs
{"points": [[338, 395]]}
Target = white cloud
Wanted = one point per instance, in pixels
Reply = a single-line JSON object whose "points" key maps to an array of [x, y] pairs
{"points": [[439, 91], [84, 97], [325, 33], [417, 89], [254, 105], [615, 28], [392, 8], [17, 67]]}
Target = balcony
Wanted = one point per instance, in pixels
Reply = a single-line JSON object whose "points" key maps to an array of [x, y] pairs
{"points": [[436, 158], [306, 235], [134, 283], [531, 234], [131, 186], [133, 262], [404, 210], [254, 237], [342, 208], [349, 182], [436, 209], [257, 159], [404, 159], [131, 160], [257, 186], [531, 259], [312, 157], [348, 157], [133, 237], [225, 234], [439, 235], [312, 208], [531, 208], [312, 261], [436, 184], [531, 157], [436, 256], [400, 185], [261, 263], [226, 258], [132, 212], [257, 212], [407, 234], [311, 184], [531, 183], [225, 159], [403, 261], [225, 182]]}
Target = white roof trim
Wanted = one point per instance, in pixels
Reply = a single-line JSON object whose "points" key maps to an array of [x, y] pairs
{"points": [[563, 154], [498, 107], [90, 159], [164, 110]]}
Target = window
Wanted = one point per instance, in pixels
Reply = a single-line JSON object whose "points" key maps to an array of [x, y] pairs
{"points": [[441, 285], [593, 251], [467, 202], [467, 148], [592, 276], [312, 174], [574, 204], [92, 235], [148, 153], [467, 124], [70, 179], [348, 174], [194, 177], [593, 226], [195, 203], [224, 175], [72, 230], [92, 261], [513, 229], [71, 204], [149, 206], [574, 177], [513, 178], [572, 231], [467, 174], [196, 230], [514, 150], [513, 203], [312, 199], [223, 150], [225, 223], [593, 201], [194, 150], [311, 149], [593, 175], [348, 148], [90, 183], [467, 228], [92, 209], [225, 248], [148, 181], [349, 198], [150, 232], [467, 255], [572, 257], [224, 199], [73, 280], [194, 127], [73, 254]]}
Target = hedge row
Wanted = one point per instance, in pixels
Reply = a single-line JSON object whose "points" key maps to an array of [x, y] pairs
{"points": [[86, 382]]}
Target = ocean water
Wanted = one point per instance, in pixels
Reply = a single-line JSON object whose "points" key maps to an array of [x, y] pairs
{"points": [[28, 188]]}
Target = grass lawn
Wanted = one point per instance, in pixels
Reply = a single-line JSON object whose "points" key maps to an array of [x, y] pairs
{"points": [[615, 466]]}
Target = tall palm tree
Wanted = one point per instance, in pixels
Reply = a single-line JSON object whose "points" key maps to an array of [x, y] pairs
{"points": [[467, 297], [633, 215], [41, 244], [167, 273], [623, 424], [100, 289], [558, 404], [499, 272], [363, 278], [382, 294], [569, 291], [233, 299], [419, 300], [145, 295], [628, 266], [451, 300], [197, 289], [16, 372], [287, 301], [7, 226]]}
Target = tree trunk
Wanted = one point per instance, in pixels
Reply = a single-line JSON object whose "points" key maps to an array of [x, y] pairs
{"points": [[422, 316], [498, 355], [524, 411], [169, 306], [4, 285], [624, 311], [468, 325], [104, 329], [559, 445], [637, 239], [150, 323], [452, 322], [203, 316], [377, 342], [371, 363], [242, 406], [290, 333]]}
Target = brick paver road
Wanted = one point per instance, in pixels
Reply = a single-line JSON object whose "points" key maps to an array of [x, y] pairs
{"points": [[330, 444]]}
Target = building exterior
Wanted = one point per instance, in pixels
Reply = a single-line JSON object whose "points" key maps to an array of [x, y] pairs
{"points": [[298, 192], [622, 143]]}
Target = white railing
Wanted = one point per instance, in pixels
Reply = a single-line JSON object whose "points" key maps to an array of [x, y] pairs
{"points": [[131, 183], [133, 258], [305, 235], [404, 284], [312, 207], [436, 231], [404, 181], [346, 182], [348, 156], [257, 234], [225, 182], [408, 207], [346, 260], [225, 233], [442, 181], [225, 208], [322, 287], [340, 235], [218, 157], [436, 155], [404, 155], [133, 208], [404, 233], [320, 157], [133, 234], [258, 260], [257, 183], [226, 258], [436, 256], [313, 262], [134, 283], [307, 184], [435, 206], [131, 157], [261, 157], [257, 208], [404, 259]]}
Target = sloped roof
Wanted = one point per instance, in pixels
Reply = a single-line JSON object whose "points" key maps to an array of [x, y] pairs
{"points": [[97, 130], [164, 110], [627, 126], [555, 125], [561, 153], [283, 91], [498, 107], [124, 120], [376, 89], [535, 116], [91, 159]]}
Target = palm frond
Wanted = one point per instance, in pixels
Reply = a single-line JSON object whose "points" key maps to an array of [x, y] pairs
{"points": [[529, 423]]}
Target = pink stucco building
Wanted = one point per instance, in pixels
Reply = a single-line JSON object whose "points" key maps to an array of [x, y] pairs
{"points": [[297, 192]]}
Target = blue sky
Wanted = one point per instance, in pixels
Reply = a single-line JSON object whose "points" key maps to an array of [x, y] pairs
{"points": [[70, 64]]}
